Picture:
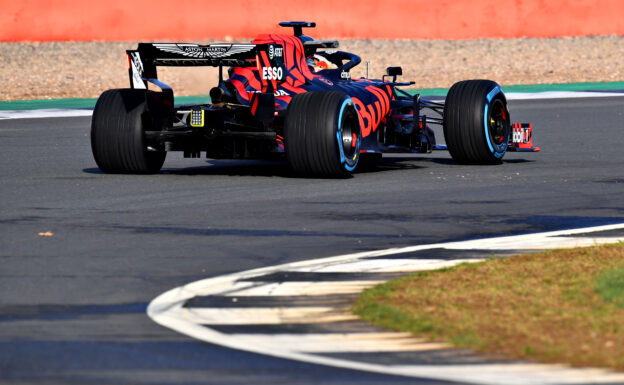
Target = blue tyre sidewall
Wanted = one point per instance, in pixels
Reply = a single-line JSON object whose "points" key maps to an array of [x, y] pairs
{"points": [[497, 150], [348, 162]]}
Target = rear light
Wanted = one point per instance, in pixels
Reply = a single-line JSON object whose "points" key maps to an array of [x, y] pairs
{"points": [[197, 117]]}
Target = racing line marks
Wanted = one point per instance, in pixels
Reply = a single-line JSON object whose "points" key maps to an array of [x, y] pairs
{"points": [[300, 311]]}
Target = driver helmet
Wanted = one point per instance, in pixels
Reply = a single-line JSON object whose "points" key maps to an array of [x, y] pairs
{"points": [[319, 63]]}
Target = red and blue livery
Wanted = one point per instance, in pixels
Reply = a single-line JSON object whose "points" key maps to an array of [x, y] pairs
{"points": [[292, 96]]}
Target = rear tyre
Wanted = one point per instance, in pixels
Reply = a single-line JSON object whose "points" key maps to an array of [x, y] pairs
{"points": [[476, 122], [322, 134], [119, 121]]}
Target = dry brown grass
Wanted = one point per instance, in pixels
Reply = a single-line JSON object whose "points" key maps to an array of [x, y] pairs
{"points": [[86, 69], [541, 306]]}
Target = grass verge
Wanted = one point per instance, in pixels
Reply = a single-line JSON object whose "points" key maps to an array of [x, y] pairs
{"points": [[561, 306]]}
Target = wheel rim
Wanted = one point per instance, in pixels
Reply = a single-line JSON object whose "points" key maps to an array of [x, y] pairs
{"points": [[498, 122], [348, 136]]}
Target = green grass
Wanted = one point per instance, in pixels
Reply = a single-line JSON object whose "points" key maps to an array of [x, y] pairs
{"points": [[564, 306], [610, 286]]}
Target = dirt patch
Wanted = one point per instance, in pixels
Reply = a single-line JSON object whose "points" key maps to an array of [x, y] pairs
{"points": [[85, 69]]}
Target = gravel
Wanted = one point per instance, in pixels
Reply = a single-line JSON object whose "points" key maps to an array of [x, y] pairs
{"points": [[86, 69]]}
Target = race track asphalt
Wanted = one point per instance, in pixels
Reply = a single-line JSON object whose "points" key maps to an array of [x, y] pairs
{"points": [[72, 305]]}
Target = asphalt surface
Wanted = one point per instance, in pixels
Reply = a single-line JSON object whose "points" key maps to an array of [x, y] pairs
{"points": [[72, 305]]}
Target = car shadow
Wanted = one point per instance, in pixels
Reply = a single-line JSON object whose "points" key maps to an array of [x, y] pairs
{"points": [[226, 168], [259, 168], [393, 163], [281, 169], [451, 162], [92, 170]]}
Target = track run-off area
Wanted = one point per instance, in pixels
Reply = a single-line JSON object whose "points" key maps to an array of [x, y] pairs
{"points": [[87, 256], [314, 295]]}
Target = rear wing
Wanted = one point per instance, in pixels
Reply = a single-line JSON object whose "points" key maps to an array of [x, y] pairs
{"points": [[143, 61]]}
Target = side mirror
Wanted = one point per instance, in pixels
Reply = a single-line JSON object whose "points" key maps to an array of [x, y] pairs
{"points": [[394, 71]]}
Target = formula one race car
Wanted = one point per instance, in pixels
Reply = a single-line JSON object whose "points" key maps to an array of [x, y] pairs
{"points": [[292, 96]]}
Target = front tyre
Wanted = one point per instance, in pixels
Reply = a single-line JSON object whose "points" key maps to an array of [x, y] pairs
{"points": [[322, 134], [118, 126], [476, 122]]}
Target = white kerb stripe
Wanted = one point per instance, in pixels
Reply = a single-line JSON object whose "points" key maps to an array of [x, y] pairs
{"points": [[385, 266], [342, 342], [267, 316], [298, 288]]}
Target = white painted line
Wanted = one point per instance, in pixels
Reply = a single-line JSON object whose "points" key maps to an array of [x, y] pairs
{"points": [[514, 374], [384, 266], [342, 343], [167, 310], [44, 113], [267, 316], [558, 95], [531, 243]]}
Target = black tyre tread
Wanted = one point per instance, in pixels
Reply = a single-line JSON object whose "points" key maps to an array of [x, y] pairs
{"points": [[474, 151], [327, 148], [117, 134], [295, 136], [453, 141], [468, 111], [311, 146], [98, 142], [463, 122]]}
